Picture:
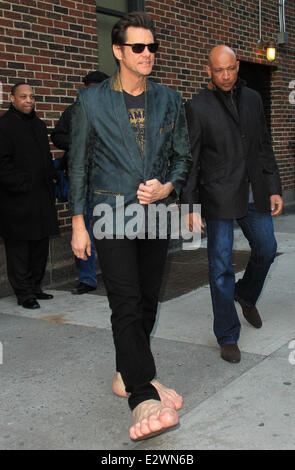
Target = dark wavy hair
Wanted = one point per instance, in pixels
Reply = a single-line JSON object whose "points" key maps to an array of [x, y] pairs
{"points": [[137, 19]]}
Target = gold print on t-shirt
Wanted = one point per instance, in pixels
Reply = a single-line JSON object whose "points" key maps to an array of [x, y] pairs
{"points": [[137, 121]]}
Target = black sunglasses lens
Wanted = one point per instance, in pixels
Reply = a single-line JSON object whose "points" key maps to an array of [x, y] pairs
{"points": [[153, 47], [139, 48]]}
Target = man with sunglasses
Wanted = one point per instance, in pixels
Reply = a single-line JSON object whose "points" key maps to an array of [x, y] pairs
{"points": [[132, 135]]}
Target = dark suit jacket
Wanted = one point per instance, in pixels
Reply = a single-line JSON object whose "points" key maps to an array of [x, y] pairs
{"points": [[103, 140], [230, 147], [61, 136], [27, 208]]}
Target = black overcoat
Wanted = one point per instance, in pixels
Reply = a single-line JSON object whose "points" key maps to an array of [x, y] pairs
{"points": [[27, 203], [229, 149]]}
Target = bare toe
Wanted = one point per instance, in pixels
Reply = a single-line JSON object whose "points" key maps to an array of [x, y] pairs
{"points": [[152, 418], [168, 396]]}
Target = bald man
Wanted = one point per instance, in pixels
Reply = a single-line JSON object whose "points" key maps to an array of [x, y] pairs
{"points": [[234, 177]]}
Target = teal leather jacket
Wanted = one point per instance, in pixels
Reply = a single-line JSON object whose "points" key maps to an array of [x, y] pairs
{"points": [[104, 156]]}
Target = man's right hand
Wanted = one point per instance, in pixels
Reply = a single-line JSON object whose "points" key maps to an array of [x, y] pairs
{"points": [[81, 243], [194, 222]]}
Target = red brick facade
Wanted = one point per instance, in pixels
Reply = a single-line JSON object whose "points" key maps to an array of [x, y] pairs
{"points": [[54, 44], [188, 30]]}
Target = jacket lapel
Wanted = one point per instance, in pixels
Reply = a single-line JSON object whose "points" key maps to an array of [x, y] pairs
{"points": [[150, 127]]}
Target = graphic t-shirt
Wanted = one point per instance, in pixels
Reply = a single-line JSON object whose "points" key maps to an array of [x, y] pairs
{"points": [[135, 107], [136, 112]]}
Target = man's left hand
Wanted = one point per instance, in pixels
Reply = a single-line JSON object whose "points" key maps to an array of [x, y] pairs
{"points": [[276, 204], [153, 191]]}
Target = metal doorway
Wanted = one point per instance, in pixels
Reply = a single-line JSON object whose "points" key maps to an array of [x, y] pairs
{"points": [[258, 77]]}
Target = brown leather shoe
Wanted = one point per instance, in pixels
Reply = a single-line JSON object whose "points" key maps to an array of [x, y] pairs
{"points": [[230, 353], [250, 313]]}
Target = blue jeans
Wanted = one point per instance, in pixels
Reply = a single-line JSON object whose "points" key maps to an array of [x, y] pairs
{"points": [[258, 229], [87, 268]]}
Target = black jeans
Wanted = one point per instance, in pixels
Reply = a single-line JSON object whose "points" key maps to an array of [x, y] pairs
{"points": [[132, 272], [26, 263]]}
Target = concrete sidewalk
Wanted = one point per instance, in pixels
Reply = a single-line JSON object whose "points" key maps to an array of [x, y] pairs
{"points": [[58, 364]]}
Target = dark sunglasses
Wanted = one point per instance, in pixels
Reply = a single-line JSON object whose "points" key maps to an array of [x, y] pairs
{"points": [[138, 48]]}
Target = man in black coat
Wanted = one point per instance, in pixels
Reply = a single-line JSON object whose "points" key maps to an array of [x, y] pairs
{"points": [[61, 137], [234, 177], [27, 210]]}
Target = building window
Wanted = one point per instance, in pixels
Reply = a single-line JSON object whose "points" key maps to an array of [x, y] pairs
{"points": [[108, 13]]}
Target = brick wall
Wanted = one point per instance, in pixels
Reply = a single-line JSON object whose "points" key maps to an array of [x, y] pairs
{"points": [[52, 45], [188, 29]]}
